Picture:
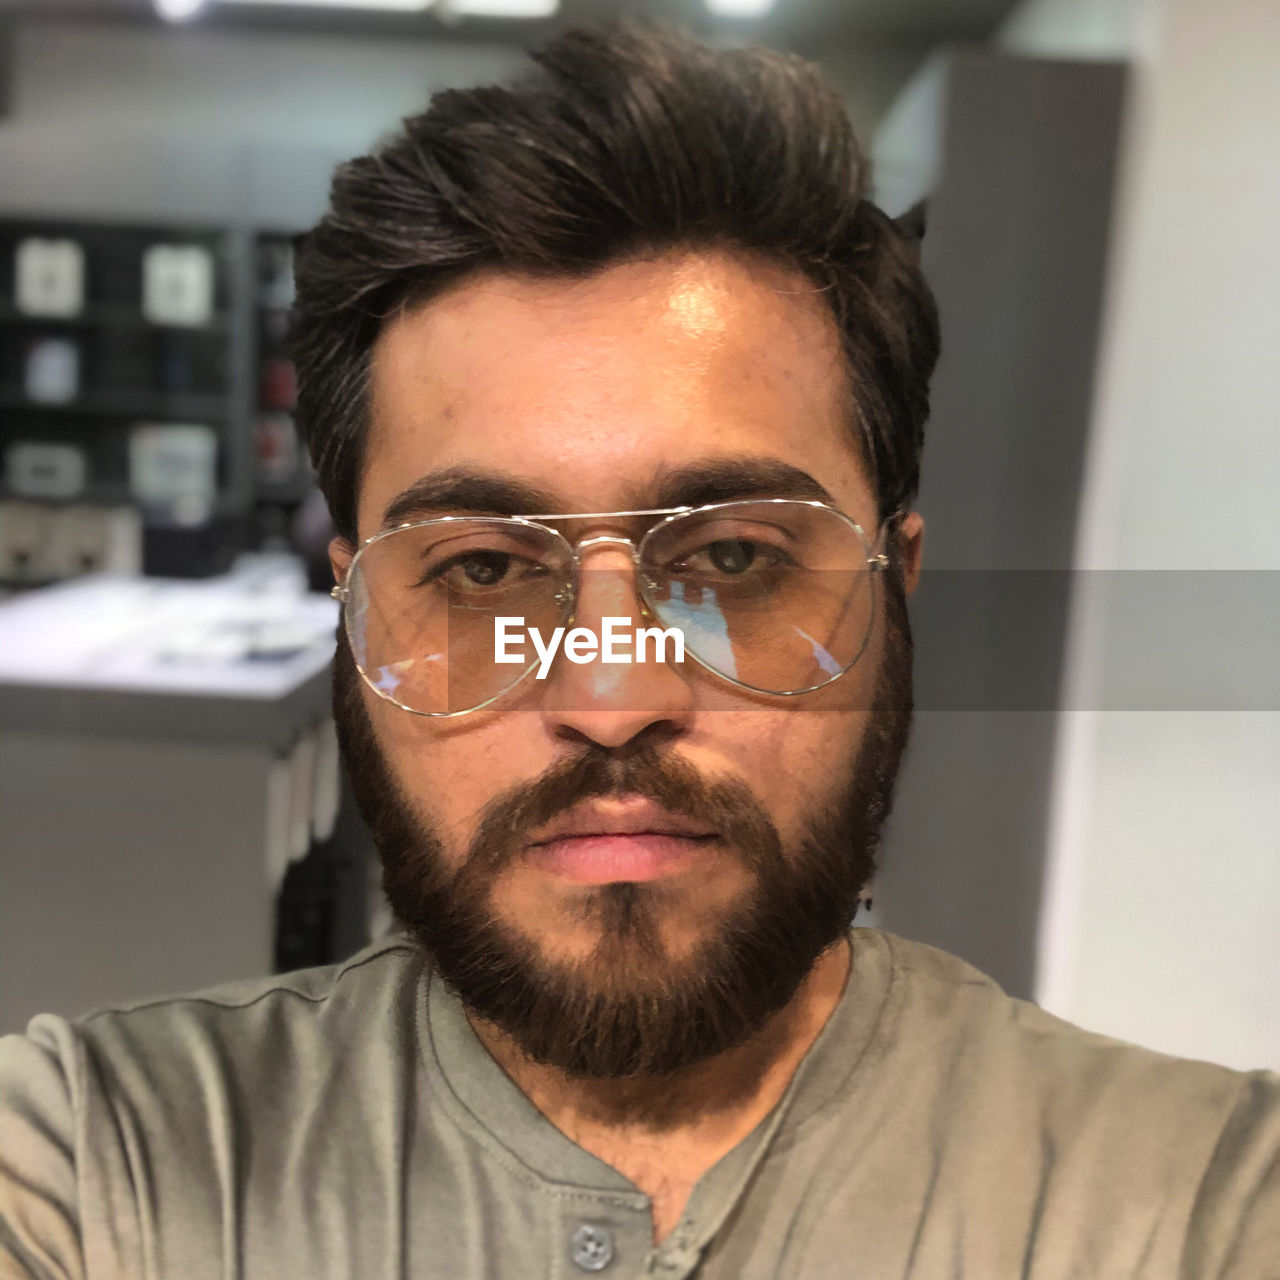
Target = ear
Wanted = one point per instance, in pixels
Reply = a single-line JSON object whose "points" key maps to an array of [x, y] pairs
{"points": [[910, 548], [341, 553]]}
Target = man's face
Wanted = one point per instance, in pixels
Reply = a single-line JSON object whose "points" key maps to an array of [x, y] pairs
{"points": [[686, 378]]}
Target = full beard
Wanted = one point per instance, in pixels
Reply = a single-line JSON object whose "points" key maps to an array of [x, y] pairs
{"points": [[630, 1011]]}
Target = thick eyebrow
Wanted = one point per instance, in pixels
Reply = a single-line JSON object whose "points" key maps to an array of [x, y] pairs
{"points": [[729, 479], [465, 489], [460, 489]]}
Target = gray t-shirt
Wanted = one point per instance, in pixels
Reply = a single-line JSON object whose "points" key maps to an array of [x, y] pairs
{"points": [[346, 1122]]}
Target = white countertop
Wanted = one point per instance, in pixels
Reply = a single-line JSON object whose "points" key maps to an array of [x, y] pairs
{"points": [[253, 633]]}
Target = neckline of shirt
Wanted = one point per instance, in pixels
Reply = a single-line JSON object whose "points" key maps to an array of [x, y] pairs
{"points": [[488, 1104]]}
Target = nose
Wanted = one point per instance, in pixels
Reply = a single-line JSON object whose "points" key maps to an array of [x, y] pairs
{"points": [[612, 702]]}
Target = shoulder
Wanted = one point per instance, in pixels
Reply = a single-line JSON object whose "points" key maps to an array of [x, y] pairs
{"points": [[1157, 1138], [330, 991], [234, 1036], [268, 1030], [171, 1100], [967, 1014], [1004, 1071]]}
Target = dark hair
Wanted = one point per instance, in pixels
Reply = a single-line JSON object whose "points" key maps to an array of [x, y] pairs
{"points": [[629, 140]]}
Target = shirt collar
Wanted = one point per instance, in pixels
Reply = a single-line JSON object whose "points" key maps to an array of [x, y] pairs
{"points": [[485, 1099]]}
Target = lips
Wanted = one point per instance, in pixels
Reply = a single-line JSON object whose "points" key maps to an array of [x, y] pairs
{"points": [[626, 839], [625, 816]]}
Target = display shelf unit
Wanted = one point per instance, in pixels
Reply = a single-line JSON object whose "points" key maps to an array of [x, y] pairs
{"points": [[128, 369]]}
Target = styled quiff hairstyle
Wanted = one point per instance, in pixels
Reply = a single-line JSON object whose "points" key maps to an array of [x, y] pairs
{"points": [[626, 141]]}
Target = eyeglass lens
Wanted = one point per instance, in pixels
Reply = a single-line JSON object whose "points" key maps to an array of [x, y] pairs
{"points": [[772, 596]]}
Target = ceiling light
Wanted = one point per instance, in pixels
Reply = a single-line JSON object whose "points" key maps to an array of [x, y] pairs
{"points": [[740, 8], [402, 5], [499, 8], [178, 10]]}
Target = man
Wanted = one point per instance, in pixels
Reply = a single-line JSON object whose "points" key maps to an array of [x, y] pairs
{"points": [[625, 344]]}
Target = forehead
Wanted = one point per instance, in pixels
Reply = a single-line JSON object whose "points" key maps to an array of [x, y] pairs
{"points": [[594, 390]]}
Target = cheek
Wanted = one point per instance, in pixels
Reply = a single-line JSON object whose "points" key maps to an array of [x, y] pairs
{"points": [[426, 768], [798, 757], [450, 770], [794, 760]]}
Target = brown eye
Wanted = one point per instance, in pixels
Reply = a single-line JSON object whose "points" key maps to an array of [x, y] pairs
{"points": [[733, 558], [732, 555], [481, 568]]}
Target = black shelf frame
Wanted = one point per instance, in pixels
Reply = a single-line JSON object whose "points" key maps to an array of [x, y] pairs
{"points": [[162, 406], [110, 316], [289, 492]]}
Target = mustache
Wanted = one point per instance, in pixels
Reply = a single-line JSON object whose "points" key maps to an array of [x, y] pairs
{"points": [[508, 822]]}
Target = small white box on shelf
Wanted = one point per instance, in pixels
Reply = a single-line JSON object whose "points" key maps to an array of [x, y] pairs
{"points": [[53, 371], [24, 531], [44, 469], [173, 469], [92, 540], [177, 284], [49, 277]]}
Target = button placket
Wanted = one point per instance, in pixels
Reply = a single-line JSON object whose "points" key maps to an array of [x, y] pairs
{"points": [[591, 1247], [679, 1254]]}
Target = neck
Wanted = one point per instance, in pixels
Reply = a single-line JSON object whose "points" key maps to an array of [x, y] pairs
{"points": [[664, 1133]]}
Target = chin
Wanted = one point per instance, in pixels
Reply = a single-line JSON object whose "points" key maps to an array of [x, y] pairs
{"points": [[650, 927]]}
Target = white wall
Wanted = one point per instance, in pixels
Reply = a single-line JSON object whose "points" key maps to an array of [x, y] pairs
{"points": [[906, 151], [1100, 29], [907, 146], [154, 123], [1162, 909]]}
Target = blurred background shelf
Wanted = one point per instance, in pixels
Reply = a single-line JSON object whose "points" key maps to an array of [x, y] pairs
{"points": [[119, 316], [108, 396], [99, 494], [129, 404]]}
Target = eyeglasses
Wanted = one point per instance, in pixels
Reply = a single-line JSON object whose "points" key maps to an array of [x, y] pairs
{"points": [[773, 595]]}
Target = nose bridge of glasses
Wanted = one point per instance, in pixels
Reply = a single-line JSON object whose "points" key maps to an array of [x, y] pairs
{"points": [[605, 539], [607, 583]]}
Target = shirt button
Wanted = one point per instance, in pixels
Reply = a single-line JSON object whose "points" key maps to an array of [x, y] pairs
{"points": [[592, 1247]]}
